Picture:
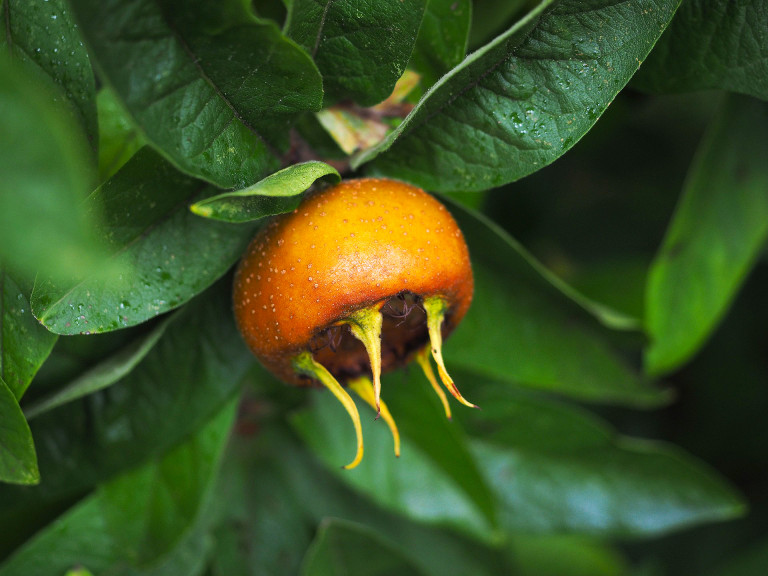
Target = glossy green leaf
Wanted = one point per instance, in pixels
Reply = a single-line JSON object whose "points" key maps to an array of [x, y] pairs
{"points": [[276, 194], [189, 375], [136, 519], [44, 179], [523, 100], [119, 139], [44, 39], [711, 44], [24, 344], [419, 484], [442, 40], [718, 232], [213, 92], [18, 462], [165, 254], [361, 48], [318, 493], [492, 17], [527, 328], [347, 548], [103, 375], [555, 469]]}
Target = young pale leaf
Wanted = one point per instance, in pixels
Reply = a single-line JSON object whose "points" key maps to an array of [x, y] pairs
{"points": [[44, 168], [523, 100], [187, 377], [711, 44], [342, 547], [213, 93], [361, 48], [24, 344], [526, 327], [18, 462], [717, 233], [102, 375], [44, 39], [442, 40], [166, 255], [135, 520], [554, 469], [276, 194]]}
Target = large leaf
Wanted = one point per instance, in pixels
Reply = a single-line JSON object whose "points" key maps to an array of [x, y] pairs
{"points": [[18, 462], [711, 44], [523, 100], [45, 40], [361, 48], [118, 137], [554, 469], [527, 328], [43, 181], [165, 254], [209, 87], [24, 344], [193, 370], [416, 484], [135, 519], [348, 548], [442, 40], [718, 231]]}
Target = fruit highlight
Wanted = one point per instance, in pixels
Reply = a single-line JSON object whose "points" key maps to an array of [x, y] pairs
{"points": [[360, 279]]}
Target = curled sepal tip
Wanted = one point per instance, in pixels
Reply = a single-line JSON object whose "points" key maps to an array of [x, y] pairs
{"points": [[365, 325], [363, 387], [422, 357], [435, 307], [304, 364]]}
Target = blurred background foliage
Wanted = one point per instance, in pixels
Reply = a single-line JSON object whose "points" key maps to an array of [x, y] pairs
{"points": [[618, 341]]}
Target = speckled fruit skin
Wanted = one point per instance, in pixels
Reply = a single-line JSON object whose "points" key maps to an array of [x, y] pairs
{"points": [[347, 247]]}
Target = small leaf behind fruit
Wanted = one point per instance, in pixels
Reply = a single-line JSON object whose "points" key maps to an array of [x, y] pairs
{"points": [[275, 194]]}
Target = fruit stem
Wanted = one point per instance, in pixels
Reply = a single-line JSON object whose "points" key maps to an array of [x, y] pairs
{"points": [[422, 357], [363, 387], [435, 307], [304, 364], [365, 325]]}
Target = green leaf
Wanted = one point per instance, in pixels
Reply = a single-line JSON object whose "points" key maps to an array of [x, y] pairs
{"points": [[361, 49], [718, 232], [42, 225], [417, 484], [492, 17], [45, 41], [213, 91], [24, 344], [189, 375], [18, 462], [276, 194], [717, 44], [527, 328], [166, 255], [524, 99], [137, 518], [348, 548], [556, 555], [442, 40], [554, 469], [103, 375], [118, 137]]}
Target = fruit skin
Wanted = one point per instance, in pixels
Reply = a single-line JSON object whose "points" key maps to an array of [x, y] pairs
{"points": [[352, 246]]}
